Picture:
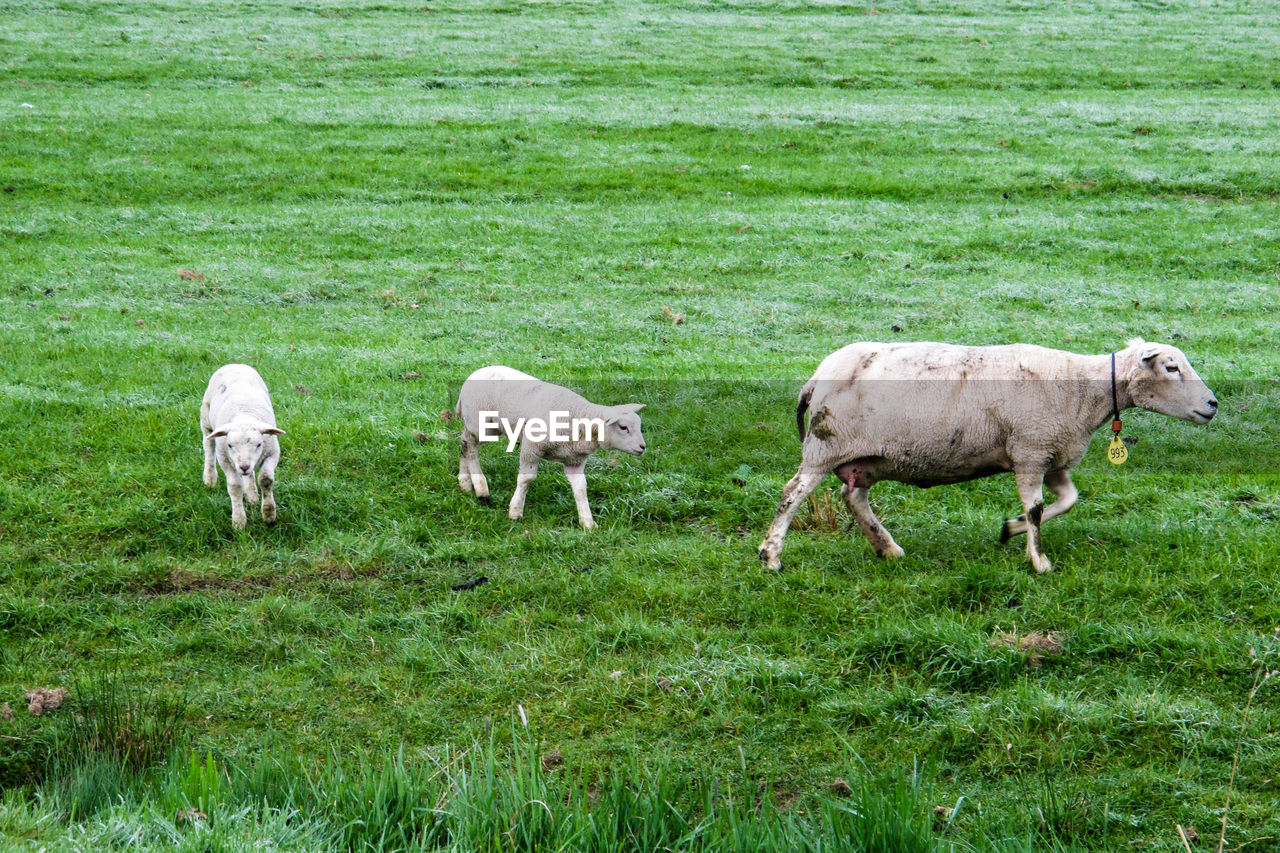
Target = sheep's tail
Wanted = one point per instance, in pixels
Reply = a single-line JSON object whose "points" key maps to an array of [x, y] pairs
{"points": [[802, 406]]}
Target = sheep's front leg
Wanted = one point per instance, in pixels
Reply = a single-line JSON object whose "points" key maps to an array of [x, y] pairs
{"points": [[797, 489], [577, 477], [210, 460], [1029, 481], [855, 497], [235, 490], [1058, 482], [267, 482], [528, 471]]}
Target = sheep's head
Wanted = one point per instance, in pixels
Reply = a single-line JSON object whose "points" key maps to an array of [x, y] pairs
{"points": [[1162, 380], [622, 428], [245, 441]]}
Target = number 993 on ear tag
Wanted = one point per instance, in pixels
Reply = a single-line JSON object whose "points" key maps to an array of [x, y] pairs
{"points": [[1117, 453]]}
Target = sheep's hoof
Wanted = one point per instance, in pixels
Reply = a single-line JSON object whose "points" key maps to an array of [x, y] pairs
{"points": [[892, 553], [588, 525], [1042, 565], [240, 523], [1005, 533], [269, 515], [772, 562]]}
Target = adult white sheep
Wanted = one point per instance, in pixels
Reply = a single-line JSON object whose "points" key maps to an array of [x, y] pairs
{"points": [[931, 413], [499, 403], [240, 431]]}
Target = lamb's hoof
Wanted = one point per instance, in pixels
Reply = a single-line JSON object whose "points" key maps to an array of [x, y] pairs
{"points": [[588, 525], [772, 562], [466, 486], [515, 516], [1005, 533], [484, 499], [892, 553], [239, 523], [210, 480], [269, 516], [1041, 566]]}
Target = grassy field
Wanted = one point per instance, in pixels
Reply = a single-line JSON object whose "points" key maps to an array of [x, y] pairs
{"points": [[368, 201]]}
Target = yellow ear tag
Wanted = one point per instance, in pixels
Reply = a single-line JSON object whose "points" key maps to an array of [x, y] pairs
{"points": [[1117, 453]]}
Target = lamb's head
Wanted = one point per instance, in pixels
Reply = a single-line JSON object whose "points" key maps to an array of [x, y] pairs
{"points": [[622, 428], [1162, 380], [246, 440]]}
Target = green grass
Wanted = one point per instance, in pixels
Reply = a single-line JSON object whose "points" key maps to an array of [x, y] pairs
{"points": [[376, 199]]}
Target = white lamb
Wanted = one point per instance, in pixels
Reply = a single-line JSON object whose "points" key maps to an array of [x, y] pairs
{"points": [[512, 403], [240, 430], [931, 413]]}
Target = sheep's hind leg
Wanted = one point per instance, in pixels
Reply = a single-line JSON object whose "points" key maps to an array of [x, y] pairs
{"points": [[1033, 503], [1059, 482], [470, 477], [797, 489], [855, 497], [577, 477]]}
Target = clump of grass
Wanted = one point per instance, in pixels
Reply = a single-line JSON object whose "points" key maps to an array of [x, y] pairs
{"points": [[489, 799]]}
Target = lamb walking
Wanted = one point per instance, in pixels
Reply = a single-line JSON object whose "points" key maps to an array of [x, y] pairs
{"points": [[240, 432], [502, 404]]}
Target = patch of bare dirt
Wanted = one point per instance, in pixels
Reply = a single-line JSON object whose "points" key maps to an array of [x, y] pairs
{"points": [[43, 699], [1037, 644]]}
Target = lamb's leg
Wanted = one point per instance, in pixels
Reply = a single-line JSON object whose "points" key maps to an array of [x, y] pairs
{"points": [[464, 472], [797, 489], [855, 497], [249, 483], [1059, 482], [470, 477], [1029, 480], [528, 471], [577, 477], [210, 459], [267, 482], [236, 491]]}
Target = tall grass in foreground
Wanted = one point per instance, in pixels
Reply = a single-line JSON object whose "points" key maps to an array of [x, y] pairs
{"points": [[491, 798]]}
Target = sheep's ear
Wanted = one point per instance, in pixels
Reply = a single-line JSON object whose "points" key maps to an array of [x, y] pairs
{"points": [[273, 431], [220, 432], [1149, 353], [633, 407]]}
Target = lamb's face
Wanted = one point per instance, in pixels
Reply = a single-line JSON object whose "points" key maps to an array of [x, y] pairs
{"points": [[1165, 382], [246, 444], [622, 429]]}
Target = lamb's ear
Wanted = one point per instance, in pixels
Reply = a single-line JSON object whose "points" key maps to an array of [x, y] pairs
{"points": [[273, 431], [1149, 353], [624, 409], [220, 432]]}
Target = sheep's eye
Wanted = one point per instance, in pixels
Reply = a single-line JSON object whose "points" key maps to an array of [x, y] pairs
{"points": [[624, 427], [1172, 368]]}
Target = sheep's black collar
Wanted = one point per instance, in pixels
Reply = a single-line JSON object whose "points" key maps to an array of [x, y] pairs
{"points": [[1116, 426]]}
